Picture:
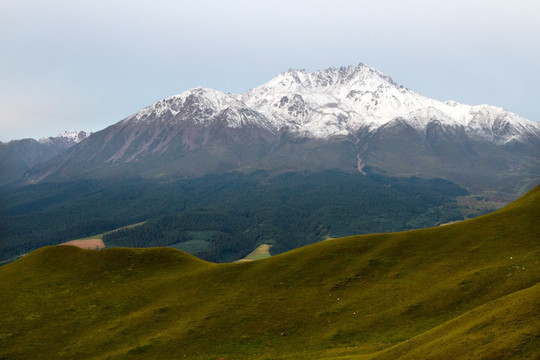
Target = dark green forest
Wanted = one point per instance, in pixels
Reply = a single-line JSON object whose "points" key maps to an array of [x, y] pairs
{"points": [[222, 217]]}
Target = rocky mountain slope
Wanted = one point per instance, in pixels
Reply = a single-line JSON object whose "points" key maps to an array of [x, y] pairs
{"points": [[18, 156], [346, 118]]}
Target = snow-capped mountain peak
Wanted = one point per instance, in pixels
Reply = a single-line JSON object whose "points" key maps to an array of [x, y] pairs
{"points": [[334, 78], [201, 106], [339, 118], [339, 101], [323, 86], [208, 100], [68, 137], [74, 135], [333, 102]]}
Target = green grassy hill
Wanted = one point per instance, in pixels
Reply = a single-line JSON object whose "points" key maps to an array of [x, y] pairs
{"points": [[460, 291]]}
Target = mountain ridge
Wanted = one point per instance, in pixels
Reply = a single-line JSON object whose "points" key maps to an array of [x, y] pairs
{"points": [[306, 103], [348, 113], [19, 156]]}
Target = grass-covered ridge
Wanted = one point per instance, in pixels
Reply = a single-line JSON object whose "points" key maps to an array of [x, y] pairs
{"points": [[466, 290]]}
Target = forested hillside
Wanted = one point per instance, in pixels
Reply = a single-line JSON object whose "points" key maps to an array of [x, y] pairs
{"points": [[223, 217]]}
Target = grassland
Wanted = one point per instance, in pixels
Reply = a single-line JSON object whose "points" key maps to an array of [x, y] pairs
{"points": [[260, 252], [473, 205], [468, 290]]}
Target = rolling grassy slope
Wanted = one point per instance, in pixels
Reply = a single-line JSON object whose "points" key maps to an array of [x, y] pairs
{"points": [[461, 291]]}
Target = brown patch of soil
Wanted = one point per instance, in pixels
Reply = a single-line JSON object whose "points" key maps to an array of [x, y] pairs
{"points": [[90, 244]]}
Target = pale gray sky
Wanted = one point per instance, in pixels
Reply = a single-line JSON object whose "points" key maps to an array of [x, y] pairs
{"points": [[84, 65]]}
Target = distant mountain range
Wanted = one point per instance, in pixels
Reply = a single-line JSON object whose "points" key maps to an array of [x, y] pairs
{"points": [[19, 156], [350, 118]]}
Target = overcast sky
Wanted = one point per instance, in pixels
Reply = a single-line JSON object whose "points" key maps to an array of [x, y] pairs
{"points": [[84, 65]]}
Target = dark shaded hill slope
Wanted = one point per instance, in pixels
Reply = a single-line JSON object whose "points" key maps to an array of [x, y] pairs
{"points": [[229, 214], [19, 156], [461, 291]]}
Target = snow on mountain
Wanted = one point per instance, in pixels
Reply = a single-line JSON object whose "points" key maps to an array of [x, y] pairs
{"points": [[338, 101], [74, 135], [69, 137], [335, 102], [499, 126], [419, 119], [362, 96], [202, 106], [211, 101]]}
